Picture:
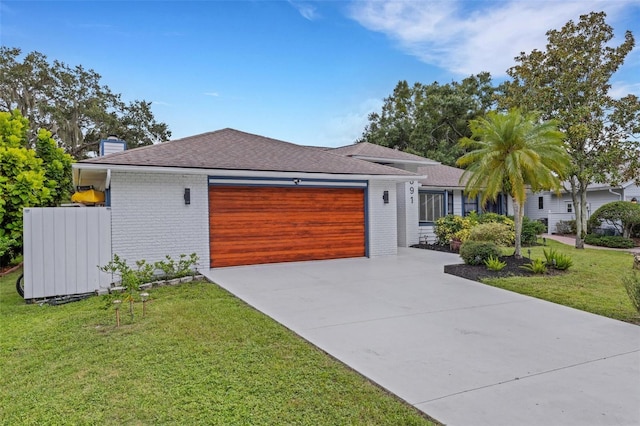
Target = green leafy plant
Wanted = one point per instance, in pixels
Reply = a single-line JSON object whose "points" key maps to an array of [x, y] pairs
{"points": [[566, 227], [531, 229], [144, 271], [499, 233], [130, 279], [537, 266], [632, 285], [476, 252], [556, 260], [613, 241], [495, 264], [447, 226], [168, 267], [621, 215], [186, 264]]}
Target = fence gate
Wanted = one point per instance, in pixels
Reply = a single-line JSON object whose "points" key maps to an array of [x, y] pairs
{"points": [[63, 247]]}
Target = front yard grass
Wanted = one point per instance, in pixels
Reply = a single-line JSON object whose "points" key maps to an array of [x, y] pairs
{"points": [[592, 284], [199, 356]]}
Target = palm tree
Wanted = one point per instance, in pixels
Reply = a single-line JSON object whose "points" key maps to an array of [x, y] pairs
{"points": [[510, 152]]}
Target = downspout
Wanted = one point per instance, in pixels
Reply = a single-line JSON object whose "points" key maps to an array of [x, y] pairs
{"points": [[615, 193]]}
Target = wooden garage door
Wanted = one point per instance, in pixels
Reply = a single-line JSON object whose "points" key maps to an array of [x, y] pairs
{"points": [[250, 225]]}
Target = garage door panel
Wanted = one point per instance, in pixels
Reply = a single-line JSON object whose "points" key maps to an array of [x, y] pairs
{"points": [[233, 259], [250, 225], [330, 242], [286, 232]]}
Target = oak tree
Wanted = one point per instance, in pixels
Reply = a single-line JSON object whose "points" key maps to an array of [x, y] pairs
{"points": [[72, 104], [429, 120], [570, 82]]}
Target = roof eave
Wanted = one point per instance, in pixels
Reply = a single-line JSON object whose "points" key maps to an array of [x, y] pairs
{"points": [[425, 162], [247, 173]]}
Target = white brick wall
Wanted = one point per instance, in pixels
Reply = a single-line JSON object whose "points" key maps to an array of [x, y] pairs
{"points": [[383, 228], [149, 218], [407, 212]]}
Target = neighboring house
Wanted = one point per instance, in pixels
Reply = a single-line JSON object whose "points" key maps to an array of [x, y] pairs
{"points": [[549, 206], [236, 198]]}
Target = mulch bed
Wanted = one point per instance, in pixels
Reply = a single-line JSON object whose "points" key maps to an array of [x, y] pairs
{"points": [[4, 270], [480, 272]]}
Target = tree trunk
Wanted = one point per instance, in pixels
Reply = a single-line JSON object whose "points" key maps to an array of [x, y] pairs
{"points": [[576, 197], [518, 213], [582, 231]]}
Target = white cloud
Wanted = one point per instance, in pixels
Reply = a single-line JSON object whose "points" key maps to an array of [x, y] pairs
{"points": [[621, 89], [344, 129], [307, 10], [160, 103], [214, 94], [470, 37]]}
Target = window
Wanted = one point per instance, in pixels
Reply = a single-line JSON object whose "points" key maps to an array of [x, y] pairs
{"points": [[431, 206], [450, 202], [540, 203], [569, 208], [470, 205]]}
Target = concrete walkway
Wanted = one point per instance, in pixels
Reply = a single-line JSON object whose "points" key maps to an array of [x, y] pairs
{"points": [[460, 351]]}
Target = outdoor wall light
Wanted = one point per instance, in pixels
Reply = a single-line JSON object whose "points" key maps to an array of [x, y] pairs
{"points": [[187, 196], [385, 197]]}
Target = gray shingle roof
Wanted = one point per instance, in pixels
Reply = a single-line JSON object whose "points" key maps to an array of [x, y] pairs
{"points": [[370, 150], [231, 149], [441, 176]]}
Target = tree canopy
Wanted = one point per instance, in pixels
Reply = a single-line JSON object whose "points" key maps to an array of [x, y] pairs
{"points": [[28, 177], [72, 104], [510, 152], [570, 82], [621, 215], [429, 120]]}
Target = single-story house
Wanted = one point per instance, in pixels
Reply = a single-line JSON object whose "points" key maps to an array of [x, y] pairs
{"points": [[547, 205], [236, 198]]}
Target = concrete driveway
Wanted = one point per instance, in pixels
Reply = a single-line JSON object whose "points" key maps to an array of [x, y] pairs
{"points": [[460, 351]]}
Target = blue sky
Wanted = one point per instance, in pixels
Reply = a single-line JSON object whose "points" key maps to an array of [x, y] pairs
{"points": [[308, 72]]}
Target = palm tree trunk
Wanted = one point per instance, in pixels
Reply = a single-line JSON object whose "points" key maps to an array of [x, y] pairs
{"points": [[518, 213]]}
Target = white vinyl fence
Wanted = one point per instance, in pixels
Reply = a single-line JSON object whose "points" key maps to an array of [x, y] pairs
{"points": [[63, 247]]}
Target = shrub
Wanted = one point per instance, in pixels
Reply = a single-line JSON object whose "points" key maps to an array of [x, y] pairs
{"points": [[556, 260], [622, 215], [496, 218], [632, 285], [564, 227], [476, 252], [447, 226], [182, 268], [537, 266], [608, 241], [494, 264], [531, 229], [462, 235], [185, 265], [499, 233]]}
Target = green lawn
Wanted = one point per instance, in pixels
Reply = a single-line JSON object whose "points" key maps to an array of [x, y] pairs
{"points": [[593, 284], [200, 356]]}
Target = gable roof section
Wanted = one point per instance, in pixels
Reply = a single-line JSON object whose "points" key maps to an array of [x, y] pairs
{"points": [[372, 152], [441, 176], [230, 149]]}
